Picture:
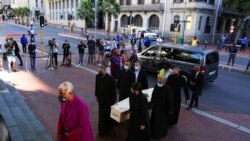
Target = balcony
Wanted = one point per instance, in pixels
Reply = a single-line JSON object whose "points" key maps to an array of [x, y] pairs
{"points": [[144, 7], [196, 5]]}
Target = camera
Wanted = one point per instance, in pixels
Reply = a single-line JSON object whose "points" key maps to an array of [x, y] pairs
{"points": [[51, 43]]}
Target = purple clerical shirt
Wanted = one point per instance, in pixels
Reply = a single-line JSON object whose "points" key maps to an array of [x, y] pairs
{"points": [[74, 117]]}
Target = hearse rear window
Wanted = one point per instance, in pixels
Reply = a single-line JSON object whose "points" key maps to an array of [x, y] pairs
{"points": [[187, 56]]}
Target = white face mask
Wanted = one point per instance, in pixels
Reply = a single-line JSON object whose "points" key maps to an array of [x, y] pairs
{"points": [[126, 67], [159, 85], [137, 68]]}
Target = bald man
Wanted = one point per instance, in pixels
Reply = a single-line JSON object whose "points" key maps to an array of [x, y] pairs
{"points": [[73, 123]]}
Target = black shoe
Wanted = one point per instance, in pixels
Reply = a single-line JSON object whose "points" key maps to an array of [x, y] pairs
{"points": [[195, 106], [189, 108], [20, 65], [14, 70]]}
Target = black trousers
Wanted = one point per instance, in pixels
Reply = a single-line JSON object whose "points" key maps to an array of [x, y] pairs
{"points": [[231, 57], [54, 57], [65, 55], [24, 48], [19, 57], [194, 99], [91, 57]]}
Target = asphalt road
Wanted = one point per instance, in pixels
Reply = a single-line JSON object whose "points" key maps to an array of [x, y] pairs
{"points": [[229, 93]]}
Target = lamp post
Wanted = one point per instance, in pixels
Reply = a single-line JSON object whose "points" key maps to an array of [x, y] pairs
{"points": [[164, 18]]}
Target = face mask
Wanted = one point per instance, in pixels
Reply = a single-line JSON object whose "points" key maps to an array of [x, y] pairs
{"points": [[137, 68], [159, 85], [126, 67], [61, 99]]}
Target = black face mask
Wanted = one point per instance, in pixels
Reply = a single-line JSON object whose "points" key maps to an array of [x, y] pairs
{"points": [[62, 99]]}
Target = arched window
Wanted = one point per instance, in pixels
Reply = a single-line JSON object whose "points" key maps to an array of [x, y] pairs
{"points": [[200, 22], [138, 20], [189, 23], [154, 22], [124, 21]]}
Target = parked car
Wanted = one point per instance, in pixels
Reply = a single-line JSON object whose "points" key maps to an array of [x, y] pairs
{"points": [[148, 32], [185, 57]]}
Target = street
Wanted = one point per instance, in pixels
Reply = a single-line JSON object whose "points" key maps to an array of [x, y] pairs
{"points": [[228, 97]]}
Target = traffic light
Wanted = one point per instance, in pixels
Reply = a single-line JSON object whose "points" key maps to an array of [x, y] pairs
{"points": [[42, 21], [176, 22], [133, 20]]}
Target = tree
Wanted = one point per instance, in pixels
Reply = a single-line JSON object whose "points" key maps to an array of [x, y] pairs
{"points": [[17, 15], [110, 8], [86, 12], [26, 12]]}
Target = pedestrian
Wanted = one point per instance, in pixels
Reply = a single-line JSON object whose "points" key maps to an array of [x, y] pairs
{"points": [[195, 42], [206, 42], [100, 46], [10, 51], [66, 52], [139, 46], [243, 44], [176, 81], [118, 39], [32, 53], [162, 106], [221, 42], [73, 123], [17, 51], [232, 54], [81, 50], [113, 45], [32, 35], [87, 34], [91, 48], [195, 83], [138, 128], [24, 42], [54, 52], [106, 62], [140, 75], [122, 44], [165, 68], [125, 81], [133, 43], [1, 58], [142, 34], [147, 42], [123, 57], [105, 92], [159, 40], [116, 63]]}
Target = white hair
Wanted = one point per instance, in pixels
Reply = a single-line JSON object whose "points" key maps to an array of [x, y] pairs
{"points": [[68, 86]]}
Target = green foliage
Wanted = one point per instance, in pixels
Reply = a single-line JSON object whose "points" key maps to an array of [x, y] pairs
{"points": [[242, 6], [85, 11], [111, 7]]}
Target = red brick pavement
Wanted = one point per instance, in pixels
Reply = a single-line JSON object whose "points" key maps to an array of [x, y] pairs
{"points": [[39, 90]]}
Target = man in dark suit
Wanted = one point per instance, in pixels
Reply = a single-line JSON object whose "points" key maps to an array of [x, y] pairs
{"points": [[140, 75], [196, 79]]}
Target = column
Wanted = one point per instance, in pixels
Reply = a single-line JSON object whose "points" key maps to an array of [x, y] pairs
{"points": [[66, 9], [74, 9]]}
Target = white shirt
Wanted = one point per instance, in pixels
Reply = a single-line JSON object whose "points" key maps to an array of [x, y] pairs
{"points": [[32, 31], [55, 48], [136, 75]]}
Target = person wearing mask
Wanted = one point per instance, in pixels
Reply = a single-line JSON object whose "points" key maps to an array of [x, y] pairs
{"points": [[105, 92], [113, 45], [17, 51], [91, 47], [73, 123], [81, 50], [10, 50], [133, 43], [123, 57], [32, 34], [162, 106], [32, 53], [100, 46], [106, 62], [176, 81], [232, 54], [138, 124], [24, 42], [196, 79], [125, 81], [116, 63], [54, 52], [66, 52], [140, 75]]}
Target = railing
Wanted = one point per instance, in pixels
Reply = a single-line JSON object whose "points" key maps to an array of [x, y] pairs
{"points": [[144, 7]]}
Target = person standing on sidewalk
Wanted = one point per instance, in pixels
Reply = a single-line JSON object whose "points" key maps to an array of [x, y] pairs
{"points": [[54, 51], [73, 123], [17, 51], [91, 47], [105, 92], [32, 53], [24, 42], [196, 86], [66, 52], [10, 55], [232, 54], [81, 50], [243, 44], [162, 107], [176, 82]]}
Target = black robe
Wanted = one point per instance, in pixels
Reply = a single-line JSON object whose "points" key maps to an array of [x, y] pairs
{"points": [[143, 79], [124, 83], [139, 116], [105, 92], [162, 106], [176, 82]]}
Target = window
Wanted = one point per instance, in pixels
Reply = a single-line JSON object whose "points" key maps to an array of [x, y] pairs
{"points": [[36, 3], [188, 24], [187, 56], [151, 52], [63, 2], [138, 20], [165, 52], [124, 21], [140, 1], [155, 1], [207, 26], [212, 58], [128, 2], [178, 1], [154, 22], [200, 21], [56, 4], [121, 2], [72, 4]]}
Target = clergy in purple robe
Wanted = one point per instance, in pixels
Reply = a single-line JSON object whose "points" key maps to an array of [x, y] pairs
{"points": [[73, 123]]}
